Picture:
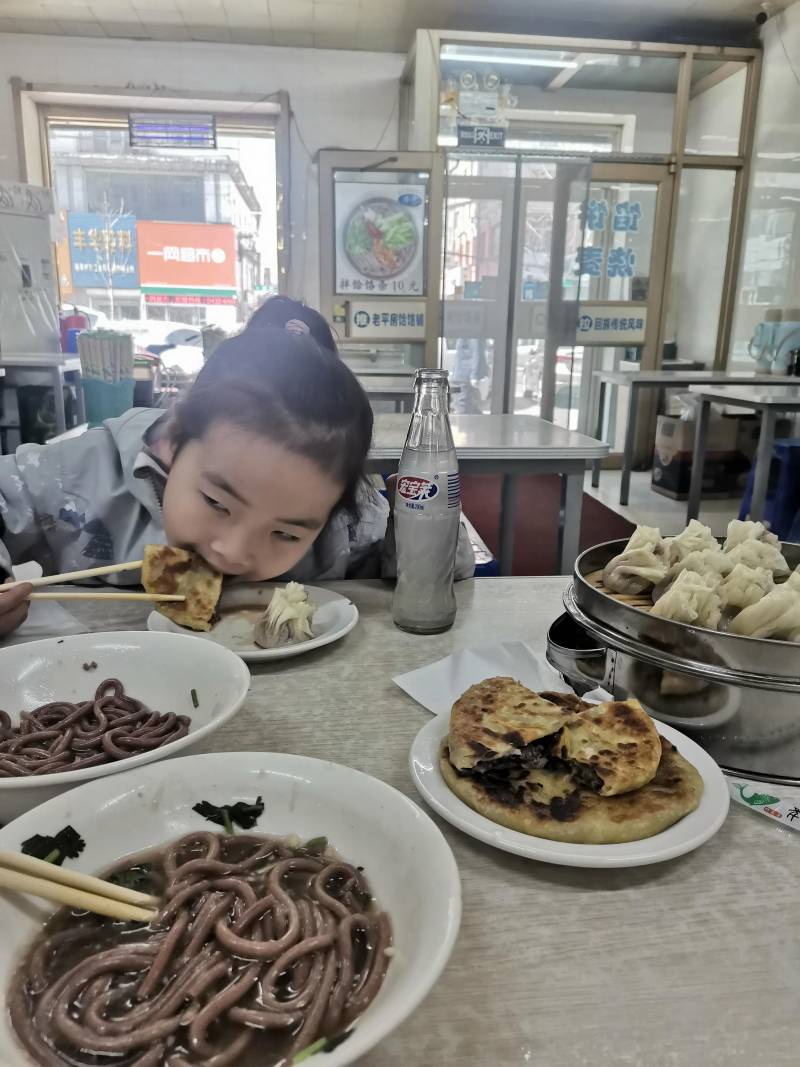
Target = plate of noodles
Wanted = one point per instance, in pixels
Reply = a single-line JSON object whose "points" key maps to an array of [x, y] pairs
{"points": [[267, 620], [302, 907], [89, 705]]}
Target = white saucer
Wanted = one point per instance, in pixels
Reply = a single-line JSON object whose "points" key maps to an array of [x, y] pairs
{"points": [[240, 605], [685, 835]]}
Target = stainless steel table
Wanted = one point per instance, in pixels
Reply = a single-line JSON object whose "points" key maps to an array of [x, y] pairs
{"points": [[768, 401], [690, 963], [399, 391], [660, 379], [510, 445], [53, 366]]}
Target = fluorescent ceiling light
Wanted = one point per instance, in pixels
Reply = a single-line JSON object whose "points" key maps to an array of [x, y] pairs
{"points": [[505, 60]]}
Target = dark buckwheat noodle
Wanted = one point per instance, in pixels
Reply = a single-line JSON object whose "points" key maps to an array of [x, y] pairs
{"points": [[259, 949], [68, 737]]}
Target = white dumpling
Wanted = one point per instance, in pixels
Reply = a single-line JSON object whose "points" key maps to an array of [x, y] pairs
{"points": [[706, 562], [760, 554], [692, 598], [793, 581], [740, 530], [694, 538], [775, 615], [746, 585], [640, 565]]}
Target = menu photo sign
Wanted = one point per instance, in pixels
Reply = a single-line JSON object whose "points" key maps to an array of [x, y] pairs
{"points": [[380, 238]]}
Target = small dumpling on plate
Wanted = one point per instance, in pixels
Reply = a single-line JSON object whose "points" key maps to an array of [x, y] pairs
{"points": [[694, 538], [760, 554], [640, 565], [776, 615], [744, 530], [692, 598], [745, 585]]}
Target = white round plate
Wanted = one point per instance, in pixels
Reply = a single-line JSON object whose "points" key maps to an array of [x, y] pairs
{"points": [[409, 864], [241, 605], [159, 669], [684, 836]]}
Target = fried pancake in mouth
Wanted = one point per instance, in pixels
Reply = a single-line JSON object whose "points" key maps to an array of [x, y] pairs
{"points": [[175, 571]]}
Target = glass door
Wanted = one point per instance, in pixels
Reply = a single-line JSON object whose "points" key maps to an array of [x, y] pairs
{"points": [[513, 230], [476, 279], [620, 268]]}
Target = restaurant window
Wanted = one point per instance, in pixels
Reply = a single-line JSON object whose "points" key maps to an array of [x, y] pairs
{"points": [[168, 233]]}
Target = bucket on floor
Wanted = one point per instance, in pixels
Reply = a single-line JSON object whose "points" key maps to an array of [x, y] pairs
{"points": [[106, 400]]}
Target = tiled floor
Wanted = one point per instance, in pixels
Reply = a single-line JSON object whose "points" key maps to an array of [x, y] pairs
{"points": [[651, 509]]}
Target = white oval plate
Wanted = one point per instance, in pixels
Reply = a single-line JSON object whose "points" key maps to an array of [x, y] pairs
{"points": [[408, 862], [685, 835], [159, 669], [335, 616]]}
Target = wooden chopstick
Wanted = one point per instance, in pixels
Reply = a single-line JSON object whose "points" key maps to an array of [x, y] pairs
{"points": [[74, 576], [110, 595], [26, 874]]}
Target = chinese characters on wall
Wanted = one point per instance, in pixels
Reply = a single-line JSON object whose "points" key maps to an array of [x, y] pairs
{"points": [[619, 262]]}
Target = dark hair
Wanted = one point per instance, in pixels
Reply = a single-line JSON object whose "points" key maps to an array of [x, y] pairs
{"points": [[286, 387], [283, 312]]}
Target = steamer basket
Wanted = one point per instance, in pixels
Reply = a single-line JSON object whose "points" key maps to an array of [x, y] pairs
{"points": [[738, 696]]}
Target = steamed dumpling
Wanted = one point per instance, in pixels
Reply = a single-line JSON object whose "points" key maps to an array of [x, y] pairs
{"points": [[793, 581], [759, 554], [740, 530], [708, 562], [640, 565], [692, 598], [775, 615], [694, 538], [287, 619], [746, 585]]}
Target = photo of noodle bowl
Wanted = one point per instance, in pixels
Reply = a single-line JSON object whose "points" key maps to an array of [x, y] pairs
{"points": [[90, 705], [281, 927], [380, 238]]}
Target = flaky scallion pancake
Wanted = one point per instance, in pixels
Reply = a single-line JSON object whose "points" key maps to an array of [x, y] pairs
{"points": [[497, 718], [613, 748], [174, 570], [547, 803]]}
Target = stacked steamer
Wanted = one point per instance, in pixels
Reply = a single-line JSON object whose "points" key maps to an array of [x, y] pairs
{"points": [[706, 634]]}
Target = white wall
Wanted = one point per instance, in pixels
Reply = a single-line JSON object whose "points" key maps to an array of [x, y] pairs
{"points": [[340, 99]]}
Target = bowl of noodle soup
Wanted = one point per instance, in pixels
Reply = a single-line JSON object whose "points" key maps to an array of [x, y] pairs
{"points": [[398, 853], [175, 691]]}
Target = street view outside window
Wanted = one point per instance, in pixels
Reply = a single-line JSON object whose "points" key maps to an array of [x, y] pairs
{"points": [[155, 238]]}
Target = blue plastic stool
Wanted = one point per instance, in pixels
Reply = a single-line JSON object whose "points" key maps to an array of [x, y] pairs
{"points": [[783, 491]]}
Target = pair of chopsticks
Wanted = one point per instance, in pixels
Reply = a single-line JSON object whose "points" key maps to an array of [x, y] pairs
{"points": [[26, 874], [94, 572]]}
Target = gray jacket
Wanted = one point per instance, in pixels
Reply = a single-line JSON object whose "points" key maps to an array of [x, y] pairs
{"points": [[95, 499]]}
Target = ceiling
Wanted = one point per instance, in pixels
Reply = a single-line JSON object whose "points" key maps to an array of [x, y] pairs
{"points": [[381, 25]]}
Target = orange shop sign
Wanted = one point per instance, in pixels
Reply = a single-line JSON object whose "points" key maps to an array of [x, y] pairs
{"points": [[187, 255]]}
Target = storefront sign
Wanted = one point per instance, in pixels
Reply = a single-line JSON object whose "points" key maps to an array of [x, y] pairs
{"points": [[204, 299], [102, 250], [481, 136], [380, 238], [611, 324], [375, 319], [196, 256]]}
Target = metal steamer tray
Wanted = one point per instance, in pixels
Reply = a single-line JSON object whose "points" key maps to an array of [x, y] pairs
{"points": [[737, 696]]}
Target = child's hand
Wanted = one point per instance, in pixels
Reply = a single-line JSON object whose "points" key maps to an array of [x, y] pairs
{"points": [[13, 607]]}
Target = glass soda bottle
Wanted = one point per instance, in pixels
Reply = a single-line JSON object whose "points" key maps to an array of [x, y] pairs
{"points": [[427, 512]]}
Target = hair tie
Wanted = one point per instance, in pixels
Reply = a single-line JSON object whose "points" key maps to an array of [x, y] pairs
{"points": [[296, 326]]}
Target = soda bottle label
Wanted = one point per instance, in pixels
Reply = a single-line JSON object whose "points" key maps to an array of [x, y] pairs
{"points": [[437, 494]]}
